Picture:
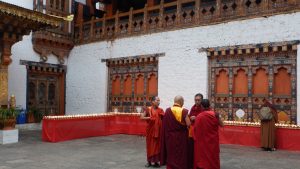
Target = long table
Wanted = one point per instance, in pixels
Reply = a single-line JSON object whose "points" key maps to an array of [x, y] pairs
{"points": [[287, 139], [56, 130]]}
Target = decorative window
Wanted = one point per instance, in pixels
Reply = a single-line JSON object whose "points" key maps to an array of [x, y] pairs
{"points": [[242, 77], [132, 82]]}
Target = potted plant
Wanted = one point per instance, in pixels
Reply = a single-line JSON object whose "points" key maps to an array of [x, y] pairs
{"points": [[8, 118], [34, 115], [38, 116], [30, 115]]}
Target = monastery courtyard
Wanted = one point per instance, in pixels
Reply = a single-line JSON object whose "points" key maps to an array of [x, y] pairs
{"points": [[122, 152]]}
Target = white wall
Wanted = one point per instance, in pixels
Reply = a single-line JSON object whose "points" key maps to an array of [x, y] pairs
{"points": [[17, 74], [22, 3], [181, 71], [86, 78]]}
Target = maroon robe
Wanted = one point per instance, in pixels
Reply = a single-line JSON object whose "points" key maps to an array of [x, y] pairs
{"points": [[153, 134], [206, 137], [174, 141], [195, 111]]}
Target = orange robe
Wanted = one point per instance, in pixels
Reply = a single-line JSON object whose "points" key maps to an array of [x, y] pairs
{"points": [[153, 134]]}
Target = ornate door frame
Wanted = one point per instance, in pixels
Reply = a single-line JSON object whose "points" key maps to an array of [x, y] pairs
{"points": [[50, 74]]}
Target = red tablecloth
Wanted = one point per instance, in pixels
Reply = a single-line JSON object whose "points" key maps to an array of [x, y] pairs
{"points": [[68, 129], [287, 139]]}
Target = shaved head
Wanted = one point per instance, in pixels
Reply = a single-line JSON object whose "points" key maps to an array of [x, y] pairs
{"points": [[179, 100]]}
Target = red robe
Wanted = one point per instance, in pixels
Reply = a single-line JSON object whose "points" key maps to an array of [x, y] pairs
{"points": [[174, 146], [153, 134], [195, 111], [206, 137]]}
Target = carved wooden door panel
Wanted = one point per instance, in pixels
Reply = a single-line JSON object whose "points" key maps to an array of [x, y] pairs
{"points": [[43, 94], [52, 95]]}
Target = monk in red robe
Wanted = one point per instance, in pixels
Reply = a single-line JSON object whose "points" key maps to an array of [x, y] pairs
{"points": [[206, 137], [174, 146], [195, 110], [153, 115]]}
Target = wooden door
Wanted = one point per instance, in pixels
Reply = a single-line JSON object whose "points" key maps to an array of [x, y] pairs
{"points": [[44, 94]]}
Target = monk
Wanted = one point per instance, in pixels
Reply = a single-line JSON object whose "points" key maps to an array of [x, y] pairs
{"points": [[174, 146], [206, 137], [153, 115], [268, 129], [195, 110]]}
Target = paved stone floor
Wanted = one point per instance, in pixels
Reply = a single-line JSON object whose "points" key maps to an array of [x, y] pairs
{"points": [[122, 152]]}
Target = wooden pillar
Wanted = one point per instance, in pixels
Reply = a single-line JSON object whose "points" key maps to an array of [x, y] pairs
{"points": [[241, 7], [250, 81], [294, 94], [59, 6], [265, 4], [35, 7], [3, 85], [130, 20], [117, 23], [123, 104], [80, 32], [178, 12], [230, 105], [54, 4], [211, 86], [6, 53], [67, 24], [104, 26], [67, 7], [270, 79], [161, 14], [47, 6], [145, 25], [197, 11], [79, 13], [6, 43], [91, 6], [92, 29], [146, 80], [219, 9], [133, 95]]}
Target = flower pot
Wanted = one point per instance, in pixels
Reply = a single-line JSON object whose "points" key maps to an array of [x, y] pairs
{"points": [[30, 117], [7, 124]]}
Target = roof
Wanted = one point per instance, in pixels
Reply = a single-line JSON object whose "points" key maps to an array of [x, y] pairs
{"points": [[27, 14]]}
